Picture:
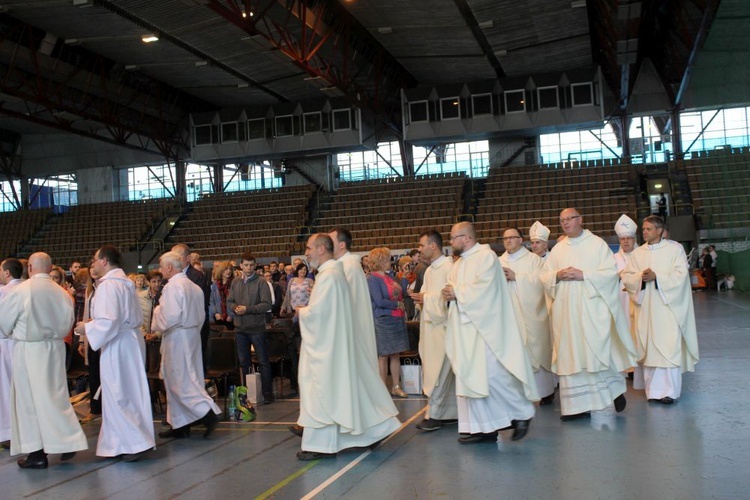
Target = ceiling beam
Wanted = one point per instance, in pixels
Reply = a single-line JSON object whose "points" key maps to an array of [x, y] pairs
{"points": [[481, 38]]}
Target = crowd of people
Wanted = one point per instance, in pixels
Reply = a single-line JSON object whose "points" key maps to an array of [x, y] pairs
{"points": [[497, 335]]}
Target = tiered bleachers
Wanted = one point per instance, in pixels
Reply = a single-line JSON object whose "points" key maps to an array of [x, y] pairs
{"points": [[393, 212], [18, 227], [518, 196], [78, 233], [720, 185], [266, 223]]}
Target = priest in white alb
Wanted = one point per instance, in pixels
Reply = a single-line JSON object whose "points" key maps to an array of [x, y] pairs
{"points": [[522, 269], [495, 384], [439, 383], [179, 316], [366, 353], [38, 314], [626, 229], [336, 411], [115, 329], [11, 271], [539, 237], [591, 343], [659, 284]]}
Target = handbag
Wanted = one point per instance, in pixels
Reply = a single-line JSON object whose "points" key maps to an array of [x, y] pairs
{"points": [[254, 387], [411, 376]]}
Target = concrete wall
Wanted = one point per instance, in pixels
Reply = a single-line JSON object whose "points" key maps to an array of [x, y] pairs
{"points": [[97, 185], [54, 154]]}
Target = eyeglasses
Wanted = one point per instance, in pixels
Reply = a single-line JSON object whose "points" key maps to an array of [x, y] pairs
{"points": [[506, 238], [568, 219], [456, 236]]}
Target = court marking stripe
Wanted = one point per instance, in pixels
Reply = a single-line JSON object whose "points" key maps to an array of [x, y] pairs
{"points": [[273, 489], [733, 304], [357, 460]]}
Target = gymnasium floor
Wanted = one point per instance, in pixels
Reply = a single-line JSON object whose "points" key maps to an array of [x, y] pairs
{"points": [[697, 448]]}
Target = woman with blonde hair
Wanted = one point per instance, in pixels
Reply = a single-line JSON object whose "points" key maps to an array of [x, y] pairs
{"points": [[387, 299]]}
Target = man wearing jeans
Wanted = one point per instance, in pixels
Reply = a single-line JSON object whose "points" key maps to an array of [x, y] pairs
{"points": [[249, 299]]}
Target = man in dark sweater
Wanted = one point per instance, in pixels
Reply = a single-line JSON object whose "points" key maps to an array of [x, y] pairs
{"points": [[199, 279], [249, 299]]}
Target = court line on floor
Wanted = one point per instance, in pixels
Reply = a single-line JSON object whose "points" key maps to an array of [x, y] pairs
{"points": [[357, 460], [733, 304]]}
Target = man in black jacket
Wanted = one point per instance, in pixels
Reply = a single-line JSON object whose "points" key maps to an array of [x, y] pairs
{"points": [[199, 279], [249, 299]]}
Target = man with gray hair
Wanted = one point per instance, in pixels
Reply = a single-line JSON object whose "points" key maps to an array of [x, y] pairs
{"points": [[179, 316], [38, 315], [658, 283]]}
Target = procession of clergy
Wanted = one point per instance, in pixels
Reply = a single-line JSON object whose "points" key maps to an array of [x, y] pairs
{"points": [[496, 336]]}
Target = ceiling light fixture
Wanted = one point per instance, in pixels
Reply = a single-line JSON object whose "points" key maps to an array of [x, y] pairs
{"points": [[385, 30], [199, 64], [149, 38], [487, 24], [577, 4], [501, 53]]}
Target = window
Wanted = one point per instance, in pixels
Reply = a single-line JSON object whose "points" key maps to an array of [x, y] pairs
{"points": [[481, 104], [229, 132], [202, 134], [258, 176], [145, 183], [580, 145], [547, 97], [256, 129], [583, 94], [450, 108], [515, 101], [7, 200], [284, 126], [342, 119], [198, 181], [418, 111], [313, 122]]}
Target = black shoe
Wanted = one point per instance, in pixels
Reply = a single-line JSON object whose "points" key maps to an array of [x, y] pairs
{"points": [[210, 420], [429, 424], [67, 456], [134, 457], [666, 401], [489, 437], [296, 429], [577, 416], [547, 400], [179, 433], [35, 460], [520, 429], [164, 422], [267, 400], [449, 421], [620, 403], [314, 455]]}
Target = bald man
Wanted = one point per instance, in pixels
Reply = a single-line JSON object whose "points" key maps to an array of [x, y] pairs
{"points": [[591, 341], [494, 376], [38, 315], [336, 411]]}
